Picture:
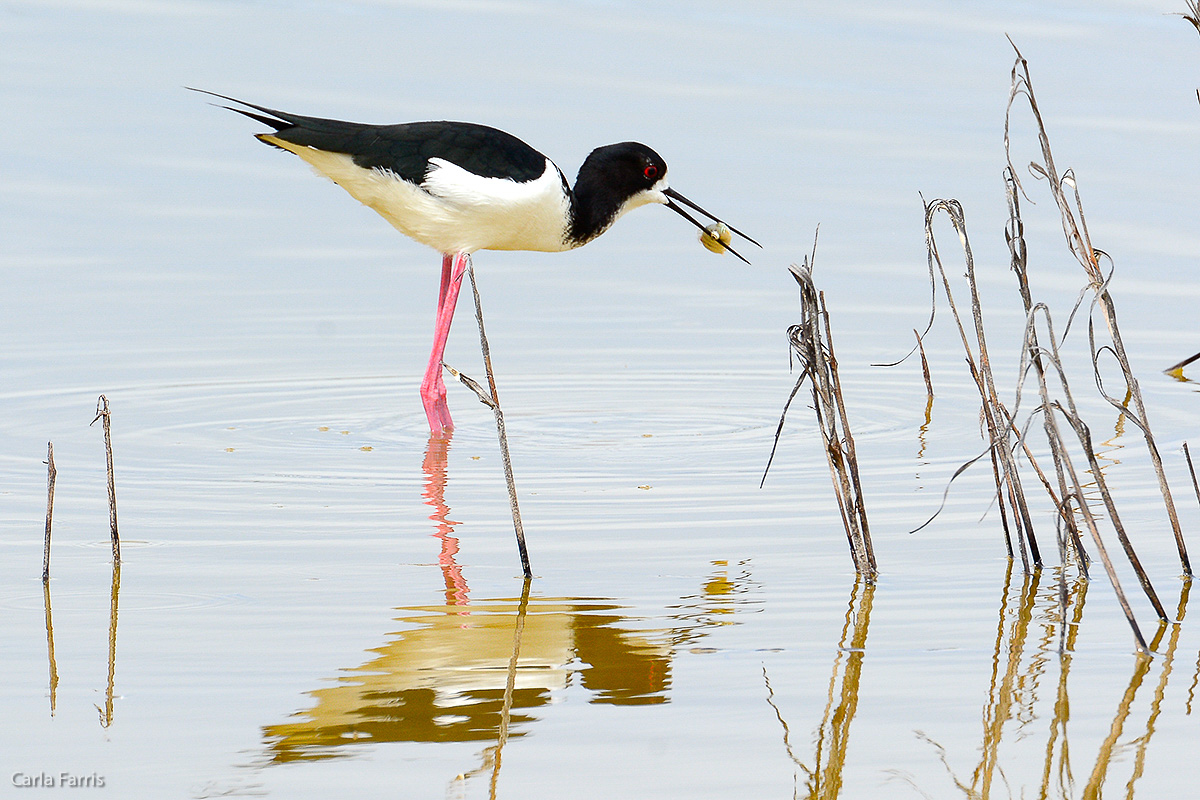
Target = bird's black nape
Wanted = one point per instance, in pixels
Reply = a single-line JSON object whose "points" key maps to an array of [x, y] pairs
{"points": [[673, 195]]}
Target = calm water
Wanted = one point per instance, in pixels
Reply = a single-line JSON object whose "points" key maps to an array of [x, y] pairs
{"points": [[316, 600]]}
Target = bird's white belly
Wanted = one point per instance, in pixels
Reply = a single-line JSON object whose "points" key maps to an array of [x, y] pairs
{"points": [[455, 211]]}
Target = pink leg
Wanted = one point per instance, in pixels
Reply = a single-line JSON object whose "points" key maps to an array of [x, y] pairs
{"points": [[433, 388], [446, 267]]}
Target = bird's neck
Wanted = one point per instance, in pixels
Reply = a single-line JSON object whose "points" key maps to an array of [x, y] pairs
{"points": [[594, 209]]}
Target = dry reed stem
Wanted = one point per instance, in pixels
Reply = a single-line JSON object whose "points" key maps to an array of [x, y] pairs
{"points": [[1031, 353], [1187, 454], [1085, 441], [1079, 241], [102, 412], [51, 474], [1042, 358], [1050, 357], [851, 483], [1064, 513], [812, 343], [1014, 235], [997, 420], [491, 399], [1000, 420], [925, 370]]}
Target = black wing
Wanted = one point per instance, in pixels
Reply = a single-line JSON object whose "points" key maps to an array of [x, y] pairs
{"points": [[407, 148]]}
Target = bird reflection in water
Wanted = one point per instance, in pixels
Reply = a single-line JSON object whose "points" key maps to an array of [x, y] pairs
{"points": [[479, 669], [444, 679]]}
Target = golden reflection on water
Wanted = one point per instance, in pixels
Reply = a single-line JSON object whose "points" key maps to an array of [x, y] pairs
{"points": [[479, 669], [50, 647], [444, 677], [923, 437], [106, 713]]}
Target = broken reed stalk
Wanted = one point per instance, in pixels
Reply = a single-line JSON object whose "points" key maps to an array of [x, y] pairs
{"points": [[51, 474], [492, 400], [812, 343], [1001, 429], [1074, 226], [102, 412], [1187, 454]]}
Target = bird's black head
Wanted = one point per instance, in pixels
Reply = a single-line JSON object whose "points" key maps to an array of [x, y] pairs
{"points": [[614, 179], [626, 168], [620, 177]]}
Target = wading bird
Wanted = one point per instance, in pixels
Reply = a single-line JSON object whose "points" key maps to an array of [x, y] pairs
{"points": [[459, 187]]}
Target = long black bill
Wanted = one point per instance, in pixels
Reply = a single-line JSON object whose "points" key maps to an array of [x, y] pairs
{"points": [[674, 195]]}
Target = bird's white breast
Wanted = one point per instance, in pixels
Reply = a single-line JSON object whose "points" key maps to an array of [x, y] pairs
{"points": [[454, 210]]}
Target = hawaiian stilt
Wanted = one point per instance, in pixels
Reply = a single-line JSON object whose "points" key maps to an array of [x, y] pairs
{"points": [[460, 187]]}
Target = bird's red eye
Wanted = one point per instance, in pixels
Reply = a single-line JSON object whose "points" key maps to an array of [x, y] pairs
{"points": [[651, 172]]}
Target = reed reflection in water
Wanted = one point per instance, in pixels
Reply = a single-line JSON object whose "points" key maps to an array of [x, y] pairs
{"points": [[832, 739], [1022, 715], [1024, 749]]}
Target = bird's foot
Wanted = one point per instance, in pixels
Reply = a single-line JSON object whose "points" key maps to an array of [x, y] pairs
{"points": [[437, 412]]}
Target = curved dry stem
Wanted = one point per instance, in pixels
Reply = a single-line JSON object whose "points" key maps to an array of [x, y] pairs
{"points": [[1079, 241]]}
